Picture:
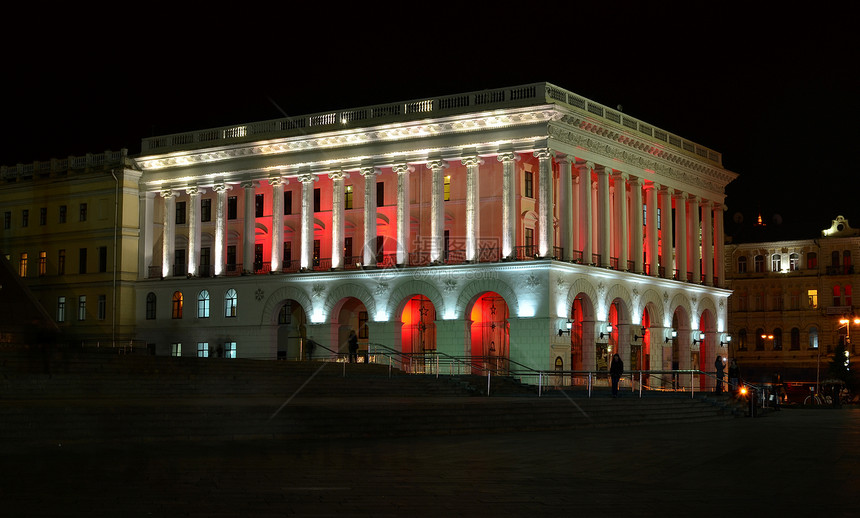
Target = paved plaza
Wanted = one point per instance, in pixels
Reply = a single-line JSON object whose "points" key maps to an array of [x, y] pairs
{"points": [[789, 463]]}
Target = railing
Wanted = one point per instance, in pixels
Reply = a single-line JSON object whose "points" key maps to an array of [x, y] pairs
{"points": [[846, 269], [577, 256], [613, 263], [595, 259]]}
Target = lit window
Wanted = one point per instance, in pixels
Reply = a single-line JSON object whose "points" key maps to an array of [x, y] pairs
{"points": [[203, 304], [347, 202], [82, 307], [447, 187], [813, 338], [812, 295], [202, 349], [43, 263], [61, 309], [229, 349], [794, 262], [230, 303], [22, 265], [528, 192], [176, 349], [837, 296], [776, 263], [150, 306], [177, 305]]}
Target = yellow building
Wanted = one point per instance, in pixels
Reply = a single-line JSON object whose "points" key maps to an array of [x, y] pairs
{"points": [[70, 229]]}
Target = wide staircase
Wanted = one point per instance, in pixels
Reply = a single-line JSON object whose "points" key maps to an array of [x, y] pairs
{"points": [[70, 397]]}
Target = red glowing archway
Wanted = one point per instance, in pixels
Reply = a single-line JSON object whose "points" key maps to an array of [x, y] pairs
{"points": [[490, 334]]}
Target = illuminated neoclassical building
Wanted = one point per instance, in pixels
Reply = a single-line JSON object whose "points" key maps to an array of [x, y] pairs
{"points": [[477, 224]]}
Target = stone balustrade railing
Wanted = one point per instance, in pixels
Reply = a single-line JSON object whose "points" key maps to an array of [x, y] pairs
{"points": [[61, 166]]}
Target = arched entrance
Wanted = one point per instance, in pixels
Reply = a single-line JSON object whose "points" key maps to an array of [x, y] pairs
{"points": [[418, 333], [681, 358], [705, 349], [350, 315], [490, 334], [292, 331], [640, 348], [582, 339]]}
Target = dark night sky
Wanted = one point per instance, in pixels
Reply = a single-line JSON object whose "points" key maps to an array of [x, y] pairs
{"points": [[779, 99]]}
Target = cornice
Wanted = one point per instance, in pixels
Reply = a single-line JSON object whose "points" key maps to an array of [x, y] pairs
{"points": [[632, 150], [383, 134]]}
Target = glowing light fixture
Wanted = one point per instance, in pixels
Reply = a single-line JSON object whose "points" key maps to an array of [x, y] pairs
{"points": [[672, 336], [608, 331], [700, 339], [567, 327]]}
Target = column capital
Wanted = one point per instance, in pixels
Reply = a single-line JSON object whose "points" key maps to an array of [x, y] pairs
{"points": [[605, 169], [635, 181], [508, 156], [167, 193], [695, 198], [248, 184], [563, 158], [667, 190], [221, 187], [437, 164], [367, 172], [308, 178], [707, 203], [621, 174], [471, 161], [194, 191], [338, 175], [679, 195], [277, 180], [544, 154], [651, 186], [402, 168]]}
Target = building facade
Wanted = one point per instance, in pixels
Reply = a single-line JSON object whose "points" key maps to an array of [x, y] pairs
{"points": [[788, 300], [518, 226], [70, 229]]}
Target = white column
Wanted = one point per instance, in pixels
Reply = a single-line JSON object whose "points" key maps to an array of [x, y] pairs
{"points": [[681, 235], [637, 239], [403, 212], [193, 229], [546, 210], [307, 235], [509, 218], [473, 206], [668, 258], [369, 174], [437, 209], [604, 215], [585, 215], [277, 223], [565, 200], [621, 219], [249, 236], [708, 242], [220, 228], [337, 222], [651, 228], [168, 244], [695, 240], [719, 244], [147, 213]]}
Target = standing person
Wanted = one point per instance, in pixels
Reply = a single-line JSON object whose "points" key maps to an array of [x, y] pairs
{"points": [[719, 365], [734, 376], [353, 347], [616, 369]]}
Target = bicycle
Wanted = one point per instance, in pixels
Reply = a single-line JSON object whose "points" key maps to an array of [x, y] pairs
{"points": [[816, 399]]}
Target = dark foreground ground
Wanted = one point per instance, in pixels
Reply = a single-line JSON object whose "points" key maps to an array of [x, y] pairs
{"points": [[790, 463]]}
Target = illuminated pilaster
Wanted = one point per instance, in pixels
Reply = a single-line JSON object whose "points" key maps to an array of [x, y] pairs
{"points": [[220, 227], [708, 242], [168, 232], [509, 219], [651, 228], [193, 229], [621, 219], [546, 239], [681, 235], [585, 213], [695, 240], [277, 222], [603, 215], [473, 206], [337, 222], [667, 256], [250, 230], [437, 212], [147, 206], [638, 239], [402, 171], [307, 234], [369, 249], [719, 244], [565, 200]]}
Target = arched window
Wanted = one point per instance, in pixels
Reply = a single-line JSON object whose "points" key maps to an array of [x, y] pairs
{"points": [[203, 304], [231, 300], [777, 339], [759, 263], [794, 262], [742, 264], [795, 338], [150, 306], [813, 337], [177, 304], [776, 263], [742, 339], [759, 339], [811, 261]]}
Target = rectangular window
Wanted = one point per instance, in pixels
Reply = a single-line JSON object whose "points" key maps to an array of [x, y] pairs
{"points": [[347, 201], [102, 259], [179, 264], [205, 261], [447, 192], [347, 249], [380, 194], [776, 263], [288, 203], [659, 219], [316, 252], [529, 241], [317, 202], [258, 257], [202, 349], [528, 192], [232, 207], [62, 216], [102, 306], [61, 262], [206, 209], [25, 217], [812, 296], [837, 296], [7, 220], [82, 260], [82, 307], [175, 349], [43, 263], [43, 216], [231, 258], [22, 265], [362, 325], [61, 309], [83, 212], [288, 252], [180, 213], [229, 349], [848, 299], [259, 202]]}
